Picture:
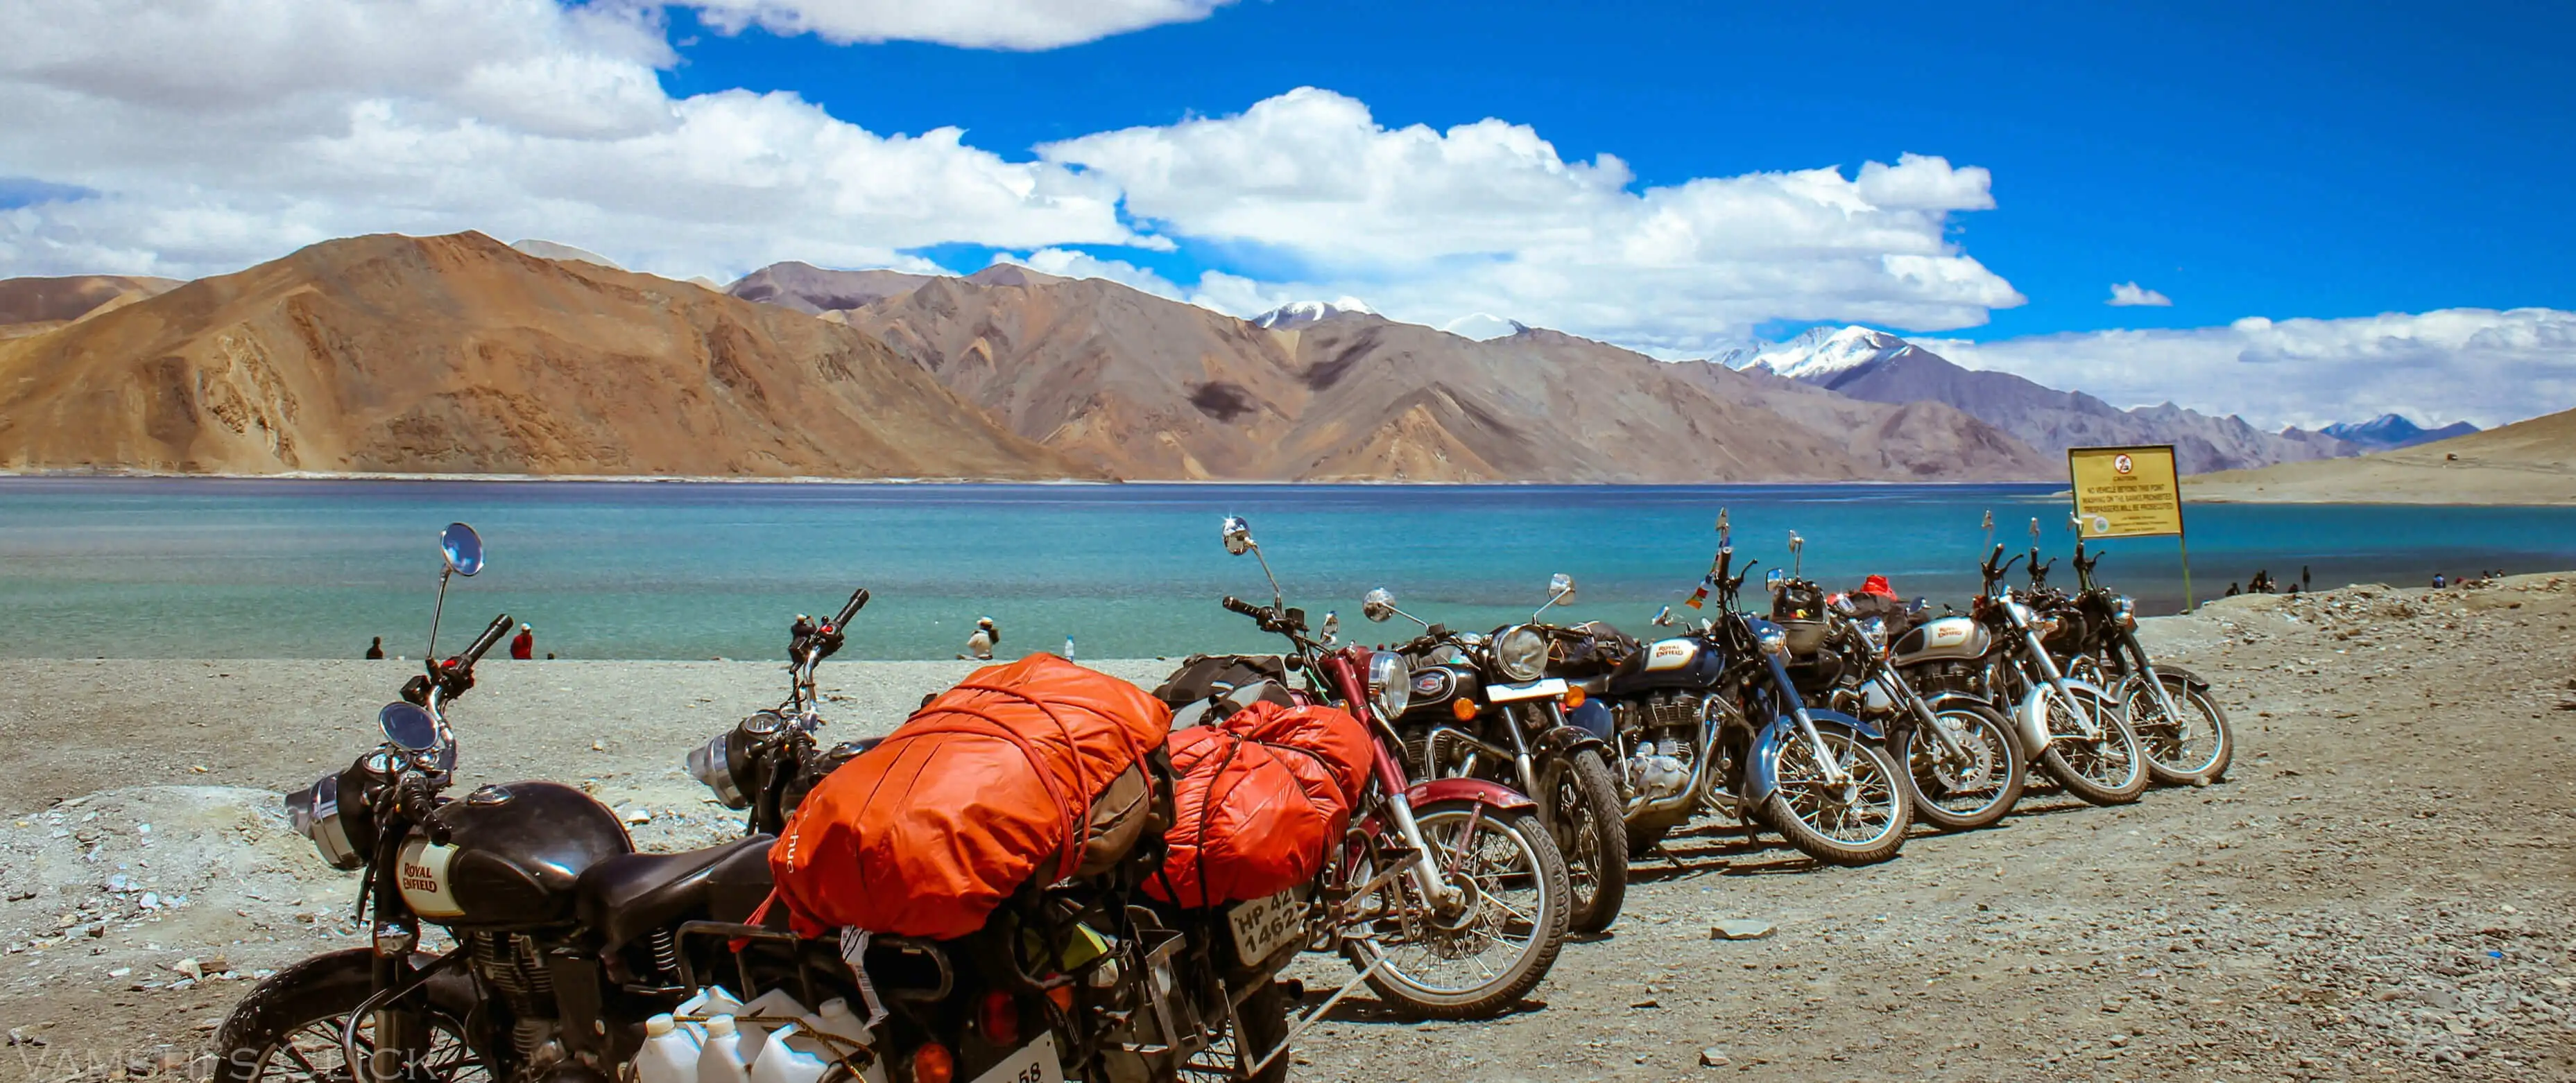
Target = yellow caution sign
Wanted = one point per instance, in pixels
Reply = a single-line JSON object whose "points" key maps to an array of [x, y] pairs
{"points": [[2125, 492]]}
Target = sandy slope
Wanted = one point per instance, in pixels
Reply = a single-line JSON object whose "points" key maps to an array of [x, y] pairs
{"points": [[2528, 462], [2385, 888]]}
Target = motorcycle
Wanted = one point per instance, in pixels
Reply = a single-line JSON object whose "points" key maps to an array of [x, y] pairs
{"points": [[2076, 731], [1484, 706], [1965, 768], [1448, 896], [1715, 717], [1215, 1009], [2181, 727]]}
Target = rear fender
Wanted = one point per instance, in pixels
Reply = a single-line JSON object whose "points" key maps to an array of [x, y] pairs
{"points": [[1492, 795]]}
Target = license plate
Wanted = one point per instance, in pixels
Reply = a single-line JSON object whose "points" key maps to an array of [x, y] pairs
{"points": [[1032, 1063], [1263, 926], [1514, 693]]}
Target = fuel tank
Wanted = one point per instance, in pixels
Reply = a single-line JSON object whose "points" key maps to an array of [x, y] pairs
{"points": [[1434, 686], [1681, 662], [511, 855], [1946, 639]]}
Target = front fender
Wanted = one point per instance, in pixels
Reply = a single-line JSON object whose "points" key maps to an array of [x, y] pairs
{"points": [[1593, 716], [1938, 700], [2190, 680], [1762, 774], [1565, 739], [1489, 794]]}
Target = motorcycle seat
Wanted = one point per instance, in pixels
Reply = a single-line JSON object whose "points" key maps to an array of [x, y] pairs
{"points": [[629, 895]]}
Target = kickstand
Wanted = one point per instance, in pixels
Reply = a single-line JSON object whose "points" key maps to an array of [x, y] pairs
{"points": [[1313, 1017]]}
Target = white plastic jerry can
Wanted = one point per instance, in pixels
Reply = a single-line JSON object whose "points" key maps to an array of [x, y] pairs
{"points": [[669, 1055], [791, 1056], [720, 1059], [774, 1004]]}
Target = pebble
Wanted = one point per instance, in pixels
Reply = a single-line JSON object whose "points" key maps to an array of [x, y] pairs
{"points": [[1713, 1057], [1739, 929]]}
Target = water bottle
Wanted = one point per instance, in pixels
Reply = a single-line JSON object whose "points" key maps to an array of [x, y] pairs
{"points": [[720, 1059], [668, 1055], [790, 1057]]}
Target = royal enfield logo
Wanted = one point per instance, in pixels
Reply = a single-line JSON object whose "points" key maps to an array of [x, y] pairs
{"points": [[423, 875]]}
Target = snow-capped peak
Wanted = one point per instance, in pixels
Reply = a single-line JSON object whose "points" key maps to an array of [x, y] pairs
{"points": [[1297, 314], [1825, 351], [1484, 327]]}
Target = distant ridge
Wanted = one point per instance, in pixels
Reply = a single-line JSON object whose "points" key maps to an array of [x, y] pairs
{"points": [[2388, 432], [1880, 367]]}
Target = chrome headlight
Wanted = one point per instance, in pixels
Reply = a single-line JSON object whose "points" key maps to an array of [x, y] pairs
{"points": [[1390, 684], [1773, 639], [1874, 630], [2126, 608], [713, 763], [315, 811], [1520, 652], [2044, 627]]}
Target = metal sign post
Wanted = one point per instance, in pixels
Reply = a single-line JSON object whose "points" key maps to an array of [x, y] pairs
{"points": [[2129, 492]]}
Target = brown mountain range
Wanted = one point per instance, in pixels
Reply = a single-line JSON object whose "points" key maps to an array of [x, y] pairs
{"points": [[2527, 462], [459, 354], [31, 306], [1142, 387]]}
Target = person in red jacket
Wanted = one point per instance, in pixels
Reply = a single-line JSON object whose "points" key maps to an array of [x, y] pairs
{"points": [[524, 646]]}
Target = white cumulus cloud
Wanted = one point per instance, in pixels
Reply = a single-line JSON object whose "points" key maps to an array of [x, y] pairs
{"points": [[2481, 365], [978, 24], [1438, 225], [2130, 294], [204, 135]]}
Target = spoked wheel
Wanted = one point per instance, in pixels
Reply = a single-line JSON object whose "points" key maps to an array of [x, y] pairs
{"points": [[1482, 954], [1858, 821], [1975, 787], [288, 1029], [2108, 769], [1580, 802], [1260, 1024], [2193, 750]]}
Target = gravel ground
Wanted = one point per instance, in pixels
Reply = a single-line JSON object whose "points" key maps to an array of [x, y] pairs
{"points": [[2385, 887]]}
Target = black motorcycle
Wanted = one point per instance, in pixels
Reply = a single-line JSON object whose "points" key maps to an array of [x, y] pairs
{"points": [[1716, 716], [1485, 706], [1965, 768], [2180, 726], [568, 942], [769, 761]]}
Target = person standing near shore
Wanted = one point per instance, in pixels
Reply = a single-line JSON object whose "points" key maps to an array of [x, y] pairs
{"points": [[2303, 579], [523, 646], [376, 649]]}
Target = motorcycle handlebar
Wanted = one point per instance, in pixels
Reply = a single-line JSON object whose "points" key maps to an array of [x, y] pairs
{"points": [[1238, 605], [491, 635], [858, 601]]}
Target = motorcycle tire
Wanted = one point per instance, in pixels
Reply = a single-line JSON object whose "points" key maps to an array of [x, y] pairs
{"points": [[2074, 766], [299, 1012], [1497, 989], [1584, 811], [1982, 730], [1876, 772], [2169, 761]]}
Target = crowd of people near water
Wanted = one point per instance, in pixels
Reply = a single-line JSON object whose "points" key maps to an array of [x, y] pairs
{"points": [[2263, 583]]}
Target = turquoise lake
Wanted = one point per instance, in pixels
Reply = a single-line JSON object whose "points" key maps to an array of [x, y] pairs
{"points": [[124, 567]]}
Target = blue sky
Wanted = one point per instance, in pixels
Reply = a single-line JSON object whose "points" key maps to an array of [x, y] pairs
{"points": [[2348, 208], [2277, 160]]}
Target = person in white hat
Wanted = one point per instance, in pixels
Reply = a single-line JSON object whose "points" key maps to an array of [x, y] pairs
{"points": [[979, 646], [524, 645]]}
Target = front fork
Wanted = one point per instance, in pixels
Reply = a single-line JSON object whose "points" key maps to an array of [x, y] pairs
{"points": [[1425, 871], [1522, 763], [1788, 691], [2146, 671], [2057, 681], [1904, 693]]}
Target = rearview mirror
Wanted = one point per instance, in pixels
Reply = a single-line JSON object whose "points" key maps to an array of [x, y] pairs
{"points": [[1560, 587], [1774, 576], [409, 726], [1378, 605], [1238, 535], [1664, 617], [464, 548], [1332, 626]]}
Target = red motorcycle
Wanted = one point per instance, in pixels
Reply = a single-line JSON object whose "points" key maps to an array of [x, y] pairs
{"points": [[1448, 896]]}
